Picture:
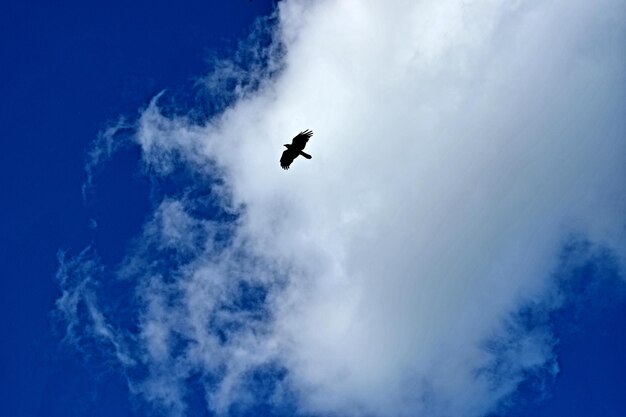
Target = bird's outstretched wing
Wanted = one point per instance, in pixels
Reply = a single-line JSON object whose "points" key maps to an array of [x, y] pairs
{"points": [[287, 158], [301, 139]]}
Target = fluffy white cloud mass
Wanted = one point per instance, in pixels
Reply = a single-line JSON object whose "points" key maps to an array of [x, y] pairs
{"points": [[457, 146]]}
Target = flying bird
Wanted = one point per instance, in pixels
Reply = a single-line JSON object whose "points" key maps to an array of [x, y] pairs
{"points": [[295, 149]]}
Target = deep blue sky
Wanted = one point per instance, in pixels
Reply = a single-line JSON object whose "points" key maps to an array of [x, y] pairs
{"points": [[67, 69]]}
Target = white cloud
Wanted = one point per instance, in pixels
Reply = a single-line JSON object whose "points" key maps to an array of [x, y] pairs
{"points": [[457, 145], [77, 308], [109, 141]]}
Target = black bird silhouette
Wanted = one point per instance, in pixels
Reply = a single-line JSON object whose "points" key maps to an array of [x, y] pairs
{"points": [[297, 145]]}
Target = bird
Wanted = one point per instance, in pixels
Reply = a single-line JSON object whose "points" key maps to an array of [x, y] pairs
{"points": [[295, 149]]}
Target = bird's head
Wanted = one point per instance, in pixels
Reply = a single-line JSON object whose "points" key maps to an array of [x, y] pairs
{"points": [[286, 145]]}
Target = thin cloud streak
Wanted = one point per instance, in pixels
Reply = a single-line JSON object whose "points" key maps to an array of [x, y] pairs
{"points": [[457, 147]]}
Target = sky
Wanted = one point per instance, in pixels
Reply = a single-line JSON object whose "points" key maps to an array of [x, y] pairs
{"points": [[456, 246]]}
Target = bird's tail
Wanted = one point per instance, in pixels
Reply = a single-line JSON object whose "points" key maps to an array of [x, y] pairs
{"points": [[306, 155]]}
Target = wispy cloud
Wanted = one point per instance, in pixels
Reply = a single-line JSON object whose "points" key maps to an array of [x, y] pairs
{"points": [[77, 308], [457, 146], [109, 141]]}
